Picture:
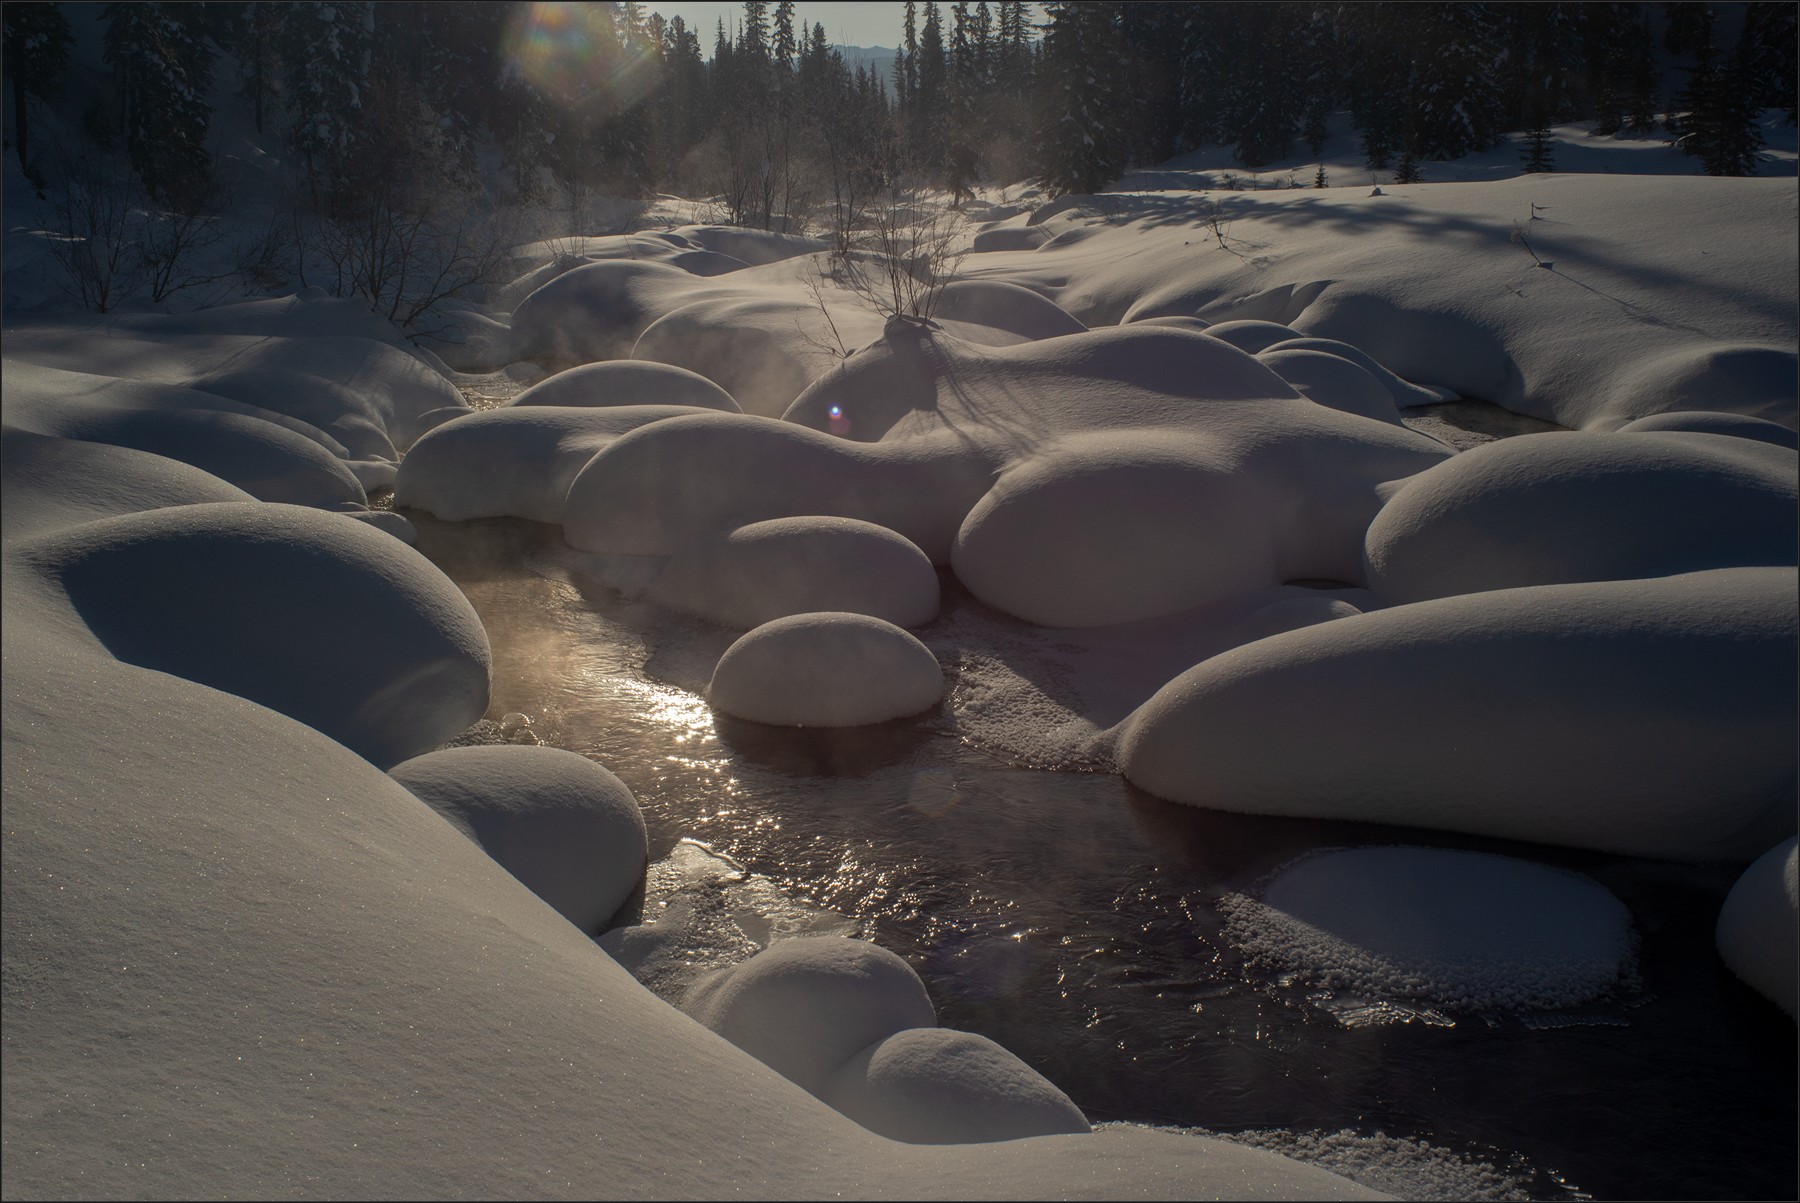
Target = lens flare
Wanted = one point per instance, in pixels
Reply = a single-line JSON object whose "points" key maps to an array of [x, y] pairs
{"points": [[581, 56], [839, 424]]}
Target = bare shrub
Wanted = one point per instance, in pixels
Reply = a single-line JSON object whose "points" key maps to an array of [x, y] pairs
{"points": [[96, 215]]}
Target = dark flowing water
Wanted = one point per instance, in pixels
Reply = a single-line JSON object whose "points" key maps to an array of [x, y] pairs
{"points": [[1073, 918]]}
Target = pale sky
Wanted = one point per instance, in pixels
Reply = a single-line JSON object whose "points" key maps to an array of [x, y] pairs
{"points": [[865, 24]]}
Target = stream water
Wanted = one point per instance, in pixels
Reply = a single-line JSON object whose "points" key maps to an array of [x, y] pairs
{"points": [[1074, 919]]}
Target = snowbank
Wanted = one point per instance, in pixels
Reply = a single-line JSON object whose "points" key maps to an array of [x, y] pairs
{"points": [[245, 597], [567, 828], [1757, 926], [784, 566], [1459, 929], [1555, 508], [831, 669], [1659, 715]]}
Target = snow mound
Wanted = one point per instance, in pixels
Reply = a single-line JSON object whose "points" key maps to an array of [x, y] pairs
{"points": [[52, 483], [269, 461], [196, 590], [974, 306], [516, 462], [1466, 930], [567, 828], [830, 669], [1659, 715], [655, 490], [595, 311], [784, 566], [1332, 381], [1009, 238], [1403, 392], [328, 408], [469, 341], [707, 263], [805, 1006], [1705, 422], [1250, 335], [763, 349], [1758, 381], [1555, 508], [627, 382], [938, 1086], [1757, 926], [755, 247]]}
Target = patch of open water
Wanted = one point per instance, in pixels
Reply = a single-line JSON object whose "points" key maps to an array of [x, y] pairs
{"points": [[1074, 919]]}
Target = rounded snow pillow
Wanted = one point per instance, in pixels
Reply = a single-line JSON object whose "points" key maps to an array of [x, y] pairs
{"points": [[804, 1007], [628, 382], [1558, 508], [1758, 924], [938, 1086], [1253, 336], [769, 570], [830, 669], [568, 829], [1696, 421], [251, 599], [1334, 382], [1463, 929]]}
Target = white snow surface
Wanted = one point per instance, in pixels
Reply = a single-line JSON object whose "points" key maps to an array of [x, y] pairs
{"points": [[1466, 930], [627, 382], [1758, 927], [829, 669], [567, 828]]}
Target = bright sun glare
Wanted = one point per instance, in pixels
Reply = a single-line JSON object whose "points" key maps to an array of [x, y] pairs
{"points": [[574, 53]]}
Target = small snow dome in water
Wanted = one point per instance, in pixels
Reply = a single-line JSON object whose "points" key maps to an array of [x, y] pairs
{"points": [[1468, 930], [831, 669]]}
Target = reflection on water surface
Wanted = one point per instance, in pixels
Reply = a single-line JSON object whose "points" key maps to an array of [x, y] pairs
{"points": [[1073, 919]]}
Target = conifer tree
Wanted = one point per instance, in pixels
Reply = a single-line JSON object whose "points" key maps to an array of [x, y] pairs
{"points": [[36, 40], [1080, 134], [163, 70], [1453, 101], [326, 49], [1770, 40]]}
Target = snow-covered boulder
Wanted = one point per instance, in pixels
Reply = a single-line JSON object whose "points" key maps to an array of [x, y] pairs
{"points": [[983, 310], [829, 669], [756, 247], [1758, 925], [1659, 715], [1251, 335], [784, 566], [1467, 930], [627, 382], [563, 825], [250, 599], [939, 1086], [805, 1006], [517, 461], [1009, 238], [1554, 508]]}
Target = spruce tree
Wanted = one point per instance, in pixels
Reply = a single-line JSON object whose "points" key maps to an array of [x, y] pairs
{"points": [[1081, 81], [326, 49], [1453, 100], [1538, 155], [163, 71], [1770, 38], [1319, 178], [36, 39]]}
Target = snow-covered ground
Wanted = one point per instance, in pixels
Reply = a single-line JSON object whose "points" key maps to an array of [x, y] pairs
{"points": [[1177, 428]]}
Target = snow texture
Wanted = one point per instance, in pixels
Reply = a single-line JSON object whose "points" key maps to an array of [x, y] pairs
{"points": [[830, 669], [1466, 930], [567, 828], [1758, 927], [784, 566]]}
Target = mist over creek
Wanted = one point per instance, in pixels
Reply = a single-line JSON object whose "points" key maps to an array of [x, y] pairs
{"points": [[1073, 918]]}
